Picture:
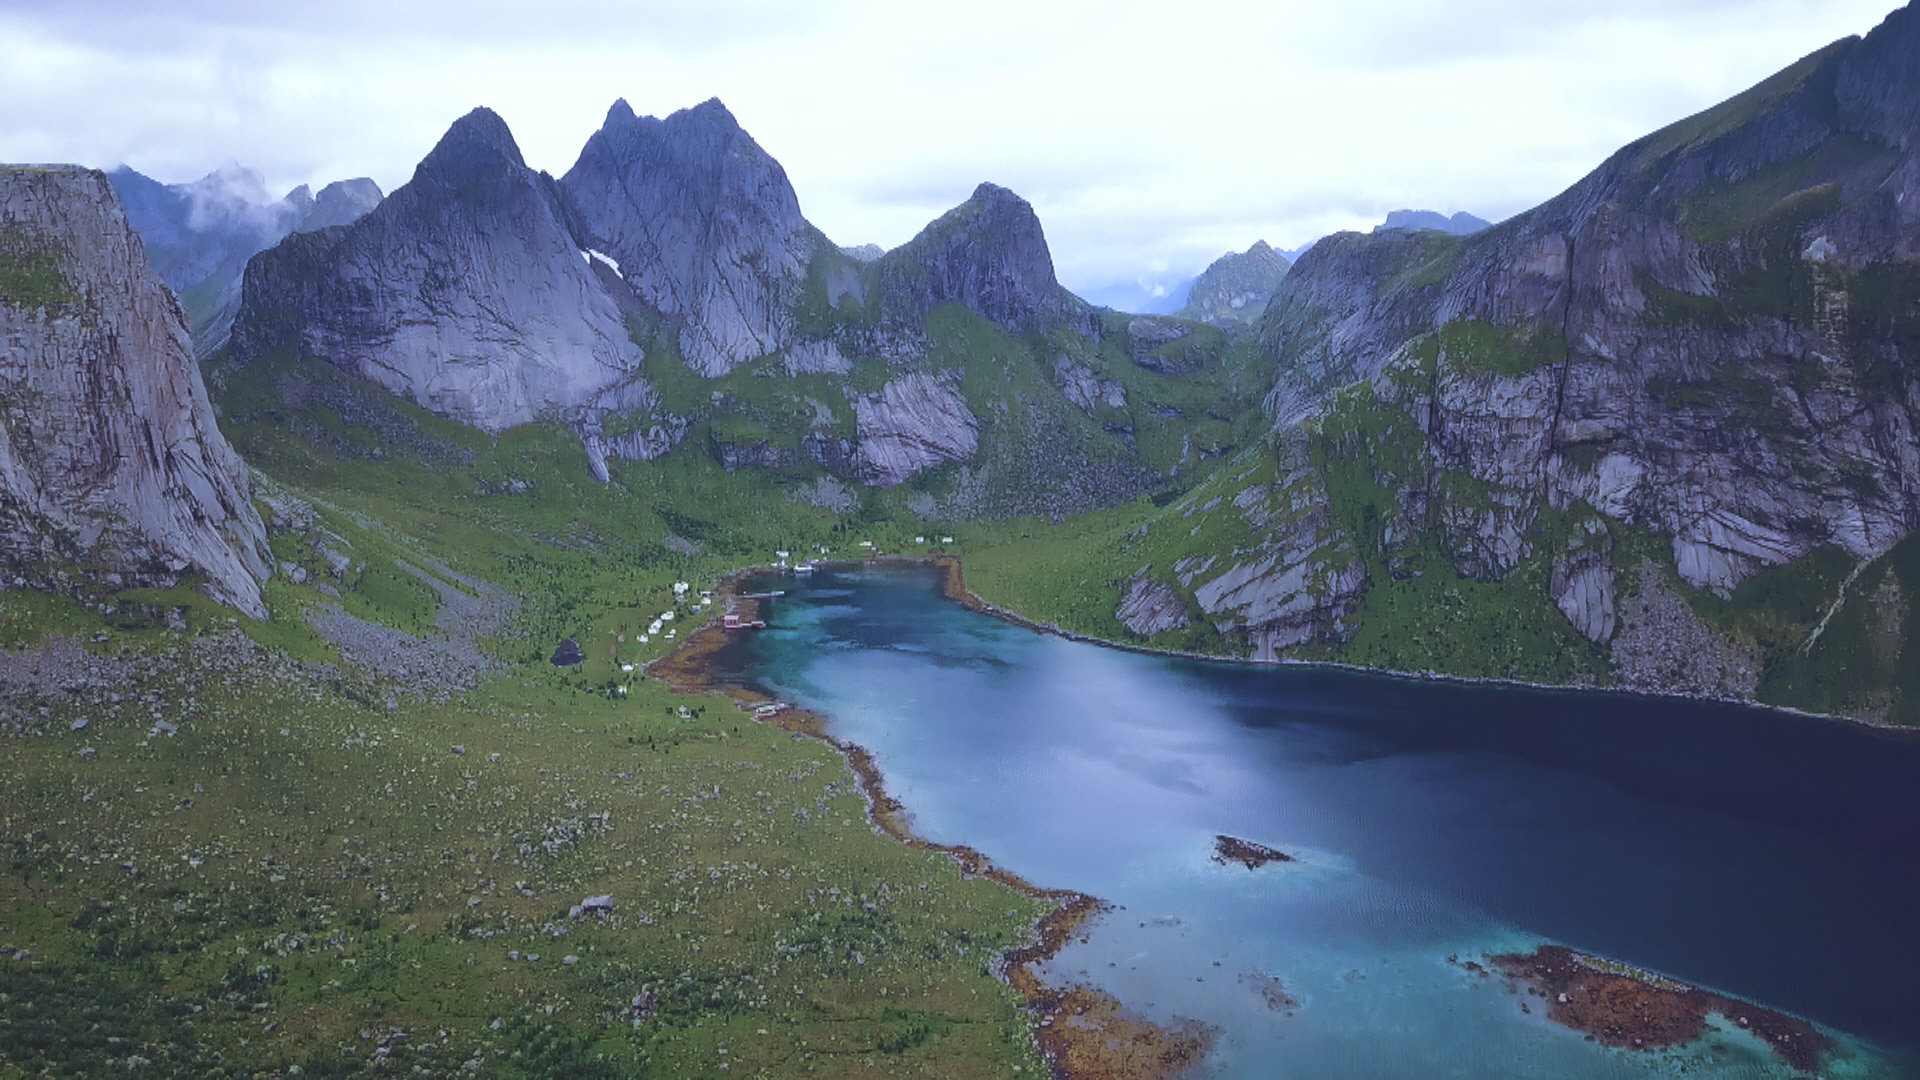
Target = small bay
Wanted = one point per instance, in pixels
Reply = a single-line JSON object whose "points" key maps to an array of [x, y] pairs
{"points": [[1769, 857]]}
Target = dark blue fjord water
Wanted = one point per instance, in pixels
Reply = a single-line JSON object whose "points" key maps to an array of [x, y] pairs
{"points": [[1770, 857]]}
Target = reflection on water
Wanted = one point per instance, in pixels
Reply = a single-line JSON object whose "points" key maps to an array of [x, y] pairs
{"points": [[1773, 858]]}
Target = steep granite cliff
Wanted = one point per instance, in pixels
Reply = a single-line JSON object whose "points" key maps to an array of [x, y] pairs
{"points": [[464, 291], [111, 461], [703, 226]]}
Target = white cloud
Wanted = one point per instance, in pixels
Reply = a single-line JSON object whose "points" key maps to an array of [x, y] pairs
{"points": [[1140, 133]]}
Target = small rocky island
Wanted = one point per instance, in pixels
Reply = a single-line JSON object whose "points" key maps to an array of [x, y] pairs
{"points": [[1232, 849]]}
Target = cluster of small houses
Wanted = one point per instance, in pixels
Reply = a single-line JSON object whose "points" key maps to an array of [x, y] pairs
{"points": [[731, 620], [808, 566]]}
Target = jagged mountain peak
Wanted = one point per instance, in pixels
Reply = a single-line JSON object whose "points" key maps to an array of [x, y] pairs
{"points": [[690, 142], [705, 222], [465, 291], [989, 254], [478, 146], [996, 215]]}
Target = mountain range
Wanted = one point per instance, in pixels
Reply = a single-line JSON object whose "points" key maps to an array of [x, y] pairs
{"points": [[200, 235], [1657, 432]]}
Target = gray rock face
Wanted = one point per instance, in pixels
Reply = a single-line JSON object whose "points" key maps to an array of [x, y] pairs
{"points": [[1234, 290], [704, 225], [1085, 388], [464, 291], [496, 296], [1300, 582], [914, 422], [1151, 607], [987, 254], [111, 458], [1703, 338]]}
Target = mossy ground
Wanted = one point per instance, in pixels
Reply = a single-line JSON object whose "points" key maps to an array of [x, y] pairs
{"points": [[30, 274]]}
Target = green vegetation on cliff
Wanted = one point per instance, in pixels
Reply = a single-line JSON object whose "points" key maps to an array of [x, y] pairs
{"points": [[30, 274]]}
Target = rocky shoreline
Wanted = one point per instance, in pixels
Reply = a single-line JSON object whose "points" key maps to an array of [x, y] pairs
{"points": [[1084, 1033], [954, 588]]}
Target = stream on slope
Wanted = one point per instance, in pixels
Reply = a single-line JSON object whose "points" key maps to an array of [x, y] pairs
{"points": [[1771, 857]]}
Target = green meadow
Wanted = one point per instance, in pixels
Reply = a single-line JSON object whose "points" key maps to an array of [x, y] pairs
{"points": [[231, 851]]}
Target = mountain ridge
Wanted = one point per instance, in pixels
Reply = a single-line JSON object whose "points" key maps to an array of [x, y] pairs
{"points": [[1707, 340]]}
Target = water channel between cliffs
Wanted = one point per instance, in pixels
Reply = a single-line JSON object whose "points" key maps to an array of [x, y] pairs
{"points": [[1769, 857]]}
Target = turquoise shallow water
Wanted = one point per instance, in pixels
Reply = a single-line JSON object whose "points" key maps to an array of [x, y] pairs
{"points": [[1770, 857]]}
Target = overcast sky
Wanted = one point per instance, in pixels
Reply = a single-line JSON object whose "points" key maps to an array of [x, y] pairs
{"points": [[1150, 138]]}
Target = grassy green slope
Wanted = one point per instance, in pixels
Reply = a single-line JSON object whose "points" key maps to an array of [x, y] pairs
{"points": [[305, 869]]}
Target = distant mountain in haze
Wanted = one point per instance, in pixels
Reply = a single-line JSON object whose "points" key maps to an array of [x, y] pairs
{"points": [[1161, 294], [1460, 224], [200, 235], [1234, 290]]}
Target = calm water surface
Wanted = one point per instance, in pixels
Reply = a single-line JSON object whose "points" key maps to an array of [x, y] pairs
{"points": [[1769, 857]]}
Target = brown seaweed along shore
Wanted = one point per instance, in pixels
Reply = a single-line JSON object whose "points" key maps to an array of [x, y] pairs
{"points": [[1084, 1033], [1621, 1006]]}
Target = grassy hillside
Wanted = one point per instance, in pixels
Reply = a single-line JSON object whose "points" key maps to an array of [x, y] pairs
{"points": [[1829, 635], [310, 867]]}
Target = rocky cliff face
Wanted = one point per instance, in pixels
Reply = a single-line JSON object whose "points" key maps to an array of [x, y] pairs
{"points": [[704, 226], [497, 296], [111, 460], [1711, 339], [1233, 291], [914, 421], [464, 291]]}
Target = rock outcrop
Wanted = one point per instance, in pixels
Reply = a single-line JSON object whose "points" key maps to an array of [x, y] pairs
{"points": [[1151, 607], [464, 291], [111, 461], [914, 422]]}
